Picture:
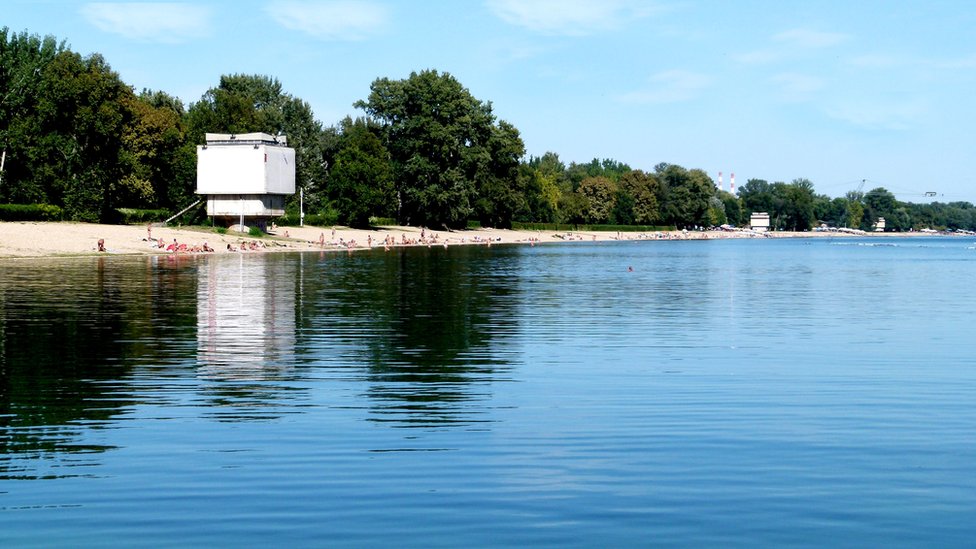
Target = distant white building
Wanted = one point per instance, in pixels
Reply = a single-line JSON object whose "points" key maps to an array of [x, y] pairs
{"points": [[759, 221], [245, 176], [879, 227]]}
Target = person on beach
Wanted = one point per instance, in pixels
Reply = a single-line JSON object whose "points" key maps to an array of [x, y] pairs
{"points": [[101, 244]]}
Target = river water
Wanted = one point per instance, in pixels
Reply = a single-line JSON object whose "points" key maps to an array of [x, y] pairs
{"points": [[723, 393]]}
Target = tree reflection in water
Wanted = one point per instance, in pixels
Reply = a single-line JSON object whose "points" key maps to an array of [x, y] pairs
{"points": [[67, 332], [430, 326], [84, 341]]}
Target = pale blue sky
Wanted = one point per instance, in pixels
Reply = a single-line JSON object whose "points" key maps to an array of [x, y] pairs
{"points": [[833, 91]]}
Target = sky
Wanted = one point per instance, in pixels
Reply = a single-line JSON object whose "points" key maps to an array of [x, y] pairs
{"points": [[848, 94]]}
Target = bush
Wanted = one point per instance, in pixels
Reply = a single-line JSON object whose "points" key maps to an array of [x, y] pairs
{"points": [[327, 218], [474, 224], [30, 212], [382, 221], [220, 230], [255, 231], [129, 216]]}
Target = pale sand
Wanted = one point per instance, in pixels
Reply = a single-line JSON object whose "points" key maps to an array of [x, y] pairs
{"points": [[43, 239]]}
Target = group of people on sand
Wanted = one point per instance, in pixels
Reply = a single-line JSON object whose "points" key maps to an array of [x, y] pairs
{"points": [[245, 246], [177, 247], [174, 246]]}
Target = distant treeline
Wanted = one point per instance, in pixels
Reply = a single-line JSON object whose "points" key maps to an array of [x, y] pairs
{"points": [[86, 146]]}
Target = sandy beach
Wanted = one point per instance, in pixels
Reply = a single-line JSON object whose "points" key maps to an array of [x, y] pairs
{"points": [[51, 239]]}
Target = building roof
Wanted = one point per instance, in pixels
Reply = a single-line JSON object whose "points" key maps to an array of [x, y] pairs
{"points": [[246, 139]]}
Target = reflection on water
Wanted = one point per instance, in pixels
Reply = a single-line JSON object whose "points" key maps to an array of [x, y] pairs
{"points": [[426, 328], [68, 335], [693, 393], [246, 312]]}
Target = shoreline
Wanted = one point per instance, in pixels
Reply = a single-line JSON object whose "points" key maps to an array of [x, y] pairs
{"points": [[29, 239]]}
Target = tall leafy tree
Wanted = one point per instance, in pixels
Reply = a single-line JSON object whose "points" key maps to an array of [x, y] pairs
{"points": [[83, 112], [441, 142], [798, 205], [643, 190], [23, 60], [161, 160], [878, 202], [686, 195], [361, 177], [599, 197], [501, 194]]}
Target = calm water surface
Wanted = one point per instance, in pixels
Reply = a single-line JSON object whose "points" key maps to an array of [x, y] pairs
{"points": [[779, 392]]}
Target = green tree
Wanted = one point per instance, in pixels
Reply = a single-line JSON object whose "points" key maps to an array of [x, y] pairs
{"points": [[686, 195], [83, 112], [733, 209], [878, 202], [553, 181], [500, 194], [798, 205], [756, 196], [537, 189], [361, 178], [599, 198], [23, 58], [158, 154], [716, 212], [643, 190], [441, 142]]}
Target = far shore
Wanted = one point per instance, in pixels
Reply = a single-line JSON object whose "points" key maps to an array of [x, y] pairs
{"points": [[66, 239]]}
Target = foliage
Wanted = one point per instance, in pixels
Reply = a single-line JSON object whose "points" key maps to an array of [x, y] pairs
{"points": [[132, 215], [30, 212], [685, 195], [361, 179], [599, 197], [643, 190], [444, 145], [382, 221]]}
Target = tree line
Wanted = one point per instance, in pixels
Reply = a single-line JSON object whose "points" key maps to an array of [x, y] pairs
{"points": [[423, 152]]}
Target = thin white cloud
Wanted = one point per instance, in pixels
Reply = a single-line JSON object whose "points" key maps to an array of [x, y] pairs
{"points": [[797, 86], [809, 39], [166, 22], [339, 20], [881, 114], [958, 63], [789, 44], [878, 61], [758, 57], [672, 86], [569, 17]]}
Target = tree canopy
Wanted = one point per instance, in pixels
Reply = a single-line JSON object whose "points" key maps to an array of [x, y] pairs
{"points": [[445, 147]]}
